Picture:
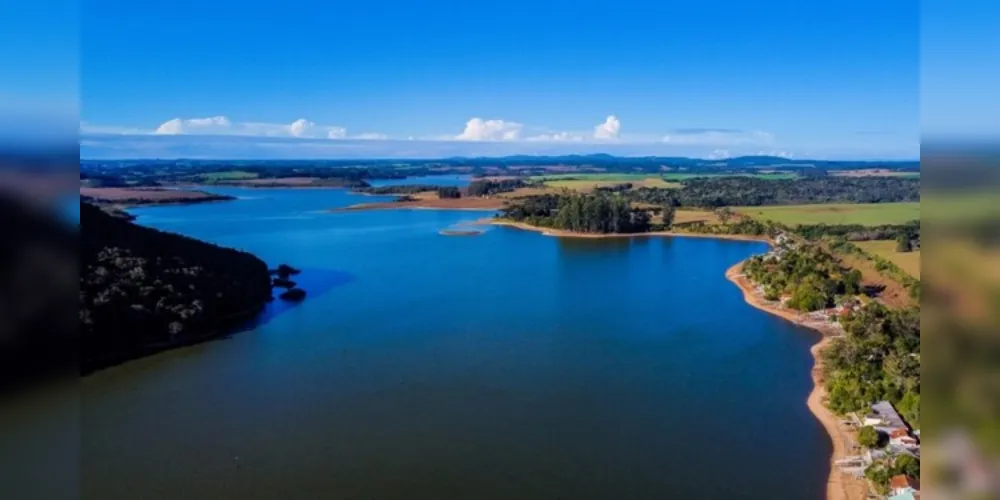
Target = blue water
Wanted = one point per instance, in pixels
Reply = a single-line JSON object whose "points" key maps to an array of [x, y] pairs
{"points": [[437, 180], [505, 365]]}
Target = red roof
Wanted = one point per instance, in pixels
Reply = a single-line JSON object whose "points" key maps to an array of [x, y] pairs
{"points": [[898, 433], [903, 481]]}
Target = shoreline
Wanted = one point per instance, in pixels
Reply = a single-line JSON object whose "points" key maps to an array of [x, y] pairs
{"points": [[562, 233], [839, 486]]}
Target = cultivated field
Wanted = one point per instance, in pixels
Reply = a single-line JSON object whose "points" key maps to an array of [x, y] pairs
{"points": [[867, 214], [907, 261]]}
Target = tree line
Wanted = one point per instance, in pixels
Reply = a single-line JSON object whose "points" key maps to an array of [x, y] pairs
{"points": [[713, 192], [585, 213]]}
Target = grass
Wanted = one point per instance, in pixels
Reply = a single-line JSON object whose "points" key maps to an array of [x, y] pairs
{"points": [[907, 261], [229, 175], [866, 214]]}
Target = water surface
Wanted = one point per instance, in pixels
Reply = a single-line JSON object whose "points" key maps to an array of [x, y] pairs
{"points": [[505, 365]]}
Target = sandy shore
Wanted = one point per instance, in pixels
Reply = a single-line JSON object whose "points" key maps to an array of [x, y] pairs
{"points": [[839, 486], [561, 233]]}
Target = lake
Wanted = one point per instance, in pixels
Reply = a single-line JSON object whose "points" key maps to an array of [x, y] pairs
{"points": [[422, 366]]}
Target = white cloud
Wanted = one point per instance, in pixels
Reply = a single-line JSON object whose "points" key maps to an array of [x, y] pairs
{"points": [[709, 137], [221, 125], [719, 154], [478, 129], [609, 129]]}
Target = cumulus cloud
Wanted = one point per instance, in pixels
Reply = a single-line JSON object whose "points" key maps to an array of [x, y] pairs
{"points": [[719, 154], [478, 129], [221, 125], [609, 129], [718, 137]]}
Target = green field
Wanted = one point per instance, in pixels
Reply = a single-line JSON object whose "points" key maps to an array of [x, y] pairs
{"points": [[229, 175], [907, 261], [867, 214]]}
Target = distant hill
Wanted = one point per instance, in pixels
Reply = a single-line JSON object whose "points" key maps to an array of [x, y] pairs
{"points": [[143, 290]]}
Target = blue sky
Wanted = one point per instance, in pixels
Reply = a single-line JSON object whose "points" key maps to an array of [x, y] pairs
{"points": [[375, 78]]}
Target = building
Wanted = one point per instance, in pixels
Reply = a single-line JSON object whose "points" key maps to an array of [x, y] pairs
{"points": [[885, 417], [901, 437], [903, 487]]}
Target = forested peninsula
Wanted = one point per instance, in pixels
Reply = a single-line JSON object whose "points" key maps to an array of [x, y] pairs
{"points": [[144, 290]]}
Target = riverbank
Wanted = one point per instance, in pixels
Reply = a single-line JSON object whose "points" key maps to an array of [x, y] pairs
{"points": [[839, 486], [562, 233]]}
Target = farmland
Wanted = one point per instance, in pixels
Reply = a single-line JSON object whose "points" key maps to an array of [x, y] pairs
{"points": [[866, 214], [907, 261]]}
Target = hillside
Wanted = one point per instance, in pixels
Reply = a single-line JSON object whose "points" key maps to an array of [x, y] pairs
{"points": [[143, 290]]}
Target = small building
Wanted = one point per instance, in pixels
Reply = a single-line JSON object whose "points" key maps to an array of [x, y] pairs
{"points": [[901, 437], [903, 487]]}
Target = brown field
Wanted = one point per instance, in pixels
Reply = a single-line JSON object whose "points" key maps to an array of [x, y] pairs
{"points": [[893, 293], [907, 261], [137, 196]]}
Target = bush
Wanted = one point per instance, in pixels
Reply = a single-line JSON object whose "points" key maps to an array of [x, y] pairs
{"points": [[868, 437]]}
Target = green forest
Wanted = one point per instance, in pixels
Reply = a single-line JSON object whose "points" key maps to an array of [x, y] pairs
{"points": [[585, 213], [143, 290], [710, 192]]}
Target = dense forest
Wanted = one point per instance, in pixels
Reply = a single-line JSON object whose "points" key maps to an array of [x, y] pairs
{"points": [[811, 278], [713, 192], [487, 187], [584, 213], [143, 290], [877, 359]]}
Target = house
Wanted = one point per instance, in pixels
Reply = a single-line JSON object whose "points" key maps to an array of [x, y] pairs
{"points": [[903, 487], [885, 417], [900, 437]]}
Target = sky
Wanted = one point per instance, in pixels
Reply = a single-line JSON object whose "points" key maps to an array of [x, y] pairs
{"points": [[258, 79]]}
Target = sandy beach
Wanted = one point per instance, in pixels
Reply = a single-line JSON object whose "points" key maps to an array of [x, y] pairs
{"points": [[839, 486]]}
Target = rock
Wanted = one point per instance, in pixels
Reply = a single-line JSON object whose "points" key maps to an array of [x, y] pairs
{"points": [[283, 282], [293, 294], [285, 270]]}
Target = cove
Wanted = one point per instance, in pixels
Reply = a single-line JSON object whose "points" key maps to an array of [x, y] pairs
{"points": [[505, 365]]}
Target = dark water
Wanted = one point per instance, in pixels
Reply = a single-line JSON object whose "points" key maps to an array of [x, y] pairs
{"points": [[437, 180], [506, 365]]}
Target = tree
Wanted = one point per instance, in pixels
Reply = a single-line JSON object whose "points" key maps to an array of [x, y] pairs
{"points": [[852, 282], [908, 465], [669, 212], [903, 243], [724, 213], [868, 437], [448, 192]]}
